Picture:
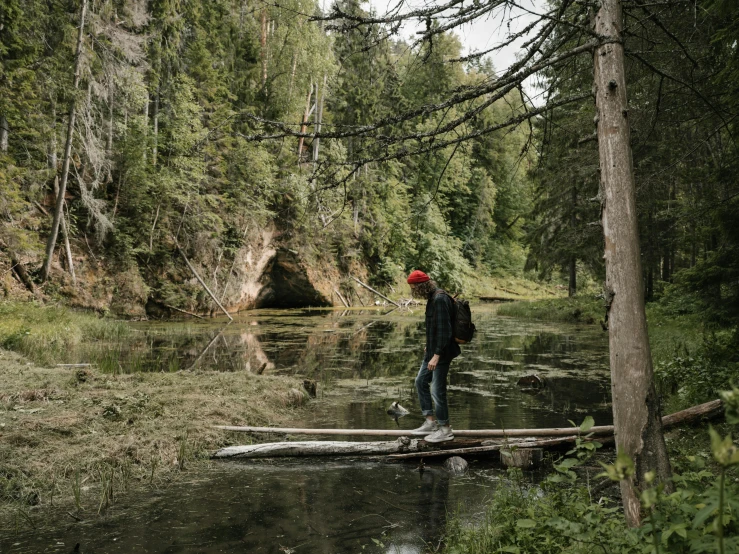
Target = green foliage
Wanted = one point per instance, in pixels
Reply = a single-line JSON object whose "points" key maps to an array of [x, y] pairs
{"points": [[581, 309], [562, 515]]}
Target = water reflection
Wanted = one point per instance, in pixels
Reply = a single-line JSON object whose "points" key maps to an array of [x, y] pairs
{"points": [[327, 507], [372, 356], [363, 360]]}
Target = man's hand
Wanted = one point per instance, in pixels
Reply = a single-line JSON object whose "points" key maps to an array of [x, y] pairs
{"points": [[433, 362]]}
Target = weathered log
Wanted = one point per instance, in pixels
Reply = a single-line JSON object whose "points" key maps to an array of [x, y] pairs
{"points": [[377, 293], [343, 301], [707, 410], [317, 448], [524, 458], [485, 448], [182, 311], [490, 433]]}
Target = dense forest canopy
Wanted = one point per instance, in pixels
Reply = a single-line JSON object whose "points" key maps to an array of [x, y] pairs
{"points": [[199, 123]]}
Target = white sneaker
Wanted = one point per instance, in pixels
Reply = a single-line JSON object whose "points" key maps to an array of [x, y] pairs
{"points": [[429, 426], [442, 434]]}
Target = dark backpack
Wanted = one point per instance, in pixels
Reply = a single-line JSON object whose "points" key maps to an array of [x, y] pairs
{"points": [[462, 327]]}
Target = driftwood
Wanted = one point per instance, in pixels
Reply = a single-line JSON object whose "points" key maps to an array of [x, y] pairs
{"points": [[377, 293], [406, 447], [403, 444], [341, 298], [317, 448], [702, 411], [485, 448], [182, 311]]}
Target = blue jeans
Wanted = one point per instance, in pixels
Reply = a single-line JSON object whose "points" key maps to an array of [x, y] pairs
{"points": [[437, 380]]}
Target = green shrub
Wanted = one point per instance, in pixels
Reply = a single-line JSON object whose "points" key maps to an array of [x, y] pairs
{"points": [[563, 515]]}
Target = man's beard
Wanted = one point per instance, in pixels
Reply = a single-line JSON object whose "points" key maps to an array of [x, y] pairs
{"points": [[418, 292]]}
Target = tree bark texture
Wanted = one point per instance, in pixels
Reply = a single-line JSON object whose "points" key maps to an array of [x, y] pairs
{"points": [[58, 209], [636, 411]]}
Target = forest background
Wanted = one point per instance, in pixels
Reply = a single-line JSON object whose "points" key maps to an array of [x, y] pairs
{"points": [[191, 128], [170, 95]]}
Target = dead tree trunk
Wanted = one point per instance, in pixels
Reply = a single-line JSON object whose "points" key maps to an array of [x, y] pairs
{"points": [[263, 43], [155, 116], [319, 118], [58, 209], [4, 132], [636, 411], [304, 125], [65, 236]]}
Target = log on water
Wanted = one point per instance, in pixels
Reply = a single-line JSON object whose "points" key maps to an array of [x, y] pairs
{"points": [[696, 413], [317, 448], [484, 449], [480, 433], [335, 448]]}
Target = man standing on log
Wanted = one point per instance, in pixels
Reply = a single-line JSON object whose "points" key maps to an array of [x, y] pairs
{"points": [[440, 350]]}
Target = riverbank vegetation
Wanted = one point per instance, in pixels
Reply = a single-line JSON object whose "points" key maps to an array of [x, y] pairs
{"points": [[76, 438]]}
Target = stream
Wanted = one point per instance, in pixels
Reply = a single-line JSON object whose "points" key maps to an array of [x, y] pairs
{"points": [[362, 360]]}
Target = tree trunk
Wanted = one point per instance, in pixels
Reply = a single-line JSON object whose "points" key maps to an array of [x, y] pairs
{"points": [[263, 43], [636, 410], [319, 118], [303, 126], [572, 288], [4, 132], [65, 236], [58, 209], [155, 117]]}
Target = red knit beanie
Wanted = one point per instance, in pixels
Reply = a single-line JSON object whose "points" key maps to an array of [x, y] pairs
{"points": [[418, 277]]}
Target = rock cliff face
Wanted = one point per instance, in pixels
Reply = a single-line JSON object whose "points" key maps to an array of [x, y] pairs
{"points": [[265, 274], [271, 276]]}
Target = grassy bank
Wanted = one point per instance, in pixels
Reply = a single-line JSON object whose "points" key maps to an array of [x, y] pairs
{"points": [[76, 439], [42, 332]]}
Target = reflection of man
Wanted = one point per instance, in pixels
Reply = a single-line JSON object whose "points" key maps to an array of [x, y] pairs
{"points": [[440, 350]]}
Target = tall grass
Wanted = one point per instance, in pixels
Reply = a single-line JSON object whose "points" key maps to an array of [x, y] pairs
{"points": [[581, 309], [44, 333]]}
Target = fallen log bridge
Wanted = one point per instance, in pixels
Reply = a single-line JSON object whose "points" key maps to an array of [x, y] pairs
{"points": [[408, 447], [707, 411]]}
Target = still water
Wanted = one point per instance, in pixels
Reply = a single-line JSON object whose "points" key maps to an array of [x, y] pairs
{"points": [[362, 361]]}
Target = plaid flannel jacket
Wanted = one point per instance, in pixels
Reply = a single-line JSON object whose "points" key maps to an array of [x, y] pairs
{"points": [[439, 335]]}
